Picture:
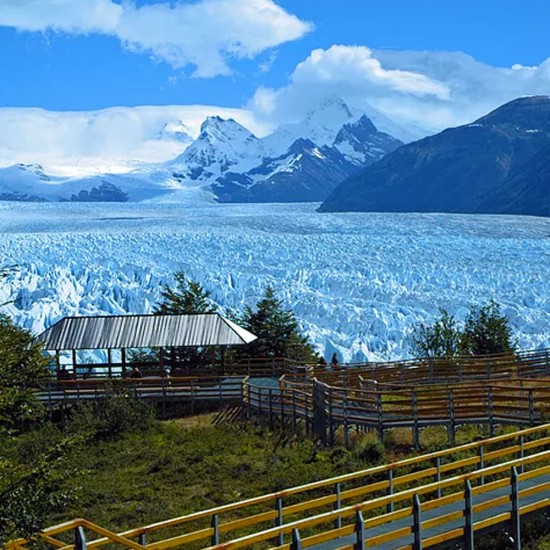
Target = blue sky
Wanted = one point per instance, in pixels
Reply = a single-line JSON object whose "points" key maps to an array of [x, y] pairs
{"points": [[66, 70], [414, 67]]}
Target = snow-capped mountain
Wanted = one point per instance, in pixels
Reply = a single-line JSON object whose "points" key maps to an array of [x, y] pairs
{"points": [[308, 171], [299, 162], [304, 173], [222, 145], [176, 131]]}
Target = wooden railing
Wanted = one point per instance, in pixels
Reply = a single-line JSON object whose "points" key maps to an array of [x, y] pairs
{"points": [[330, 411], [329, 506]]}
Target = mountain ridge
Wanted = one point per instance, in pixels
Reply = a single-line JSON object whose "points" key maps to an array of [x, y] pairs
{"points": [[468, 169]]}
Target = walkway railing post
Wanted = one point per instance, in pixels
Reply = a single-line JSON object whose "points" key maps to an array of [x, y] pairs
{"points": [[380, 415], [389, 491], [531, 408], [337, 505], [216, 534], [417, 523], [359, 531], [416, 431], [142, 539], [331, 419], [438, 474], [270, 409], [491, 412], [468, 517], [294, 419], [79, 538], [451, 428], [481, 465], [279, 520], [515, 515], [296, 543], [521, 453]]}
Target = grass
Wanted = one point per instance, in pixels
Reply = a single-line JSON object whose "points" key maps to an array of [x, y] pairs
{"points": [[183, 466]]}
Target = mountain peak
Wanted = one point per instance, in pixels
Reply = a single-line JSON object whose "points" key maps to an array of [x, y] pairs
{"points": [[332, 112]]}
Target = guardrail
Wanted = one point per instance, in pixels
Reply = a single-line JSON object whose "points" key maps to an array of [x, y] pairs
{"points": [[381, 491], [330, 410]]}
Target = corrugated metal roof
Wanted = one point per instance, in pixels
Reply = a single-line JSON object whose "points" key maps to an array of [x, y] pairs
{"points": [[143, 331]]}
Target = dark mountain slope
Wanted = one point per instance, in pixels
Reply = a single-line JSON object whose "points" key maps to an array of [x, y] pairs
{"points": [[490, 166]]}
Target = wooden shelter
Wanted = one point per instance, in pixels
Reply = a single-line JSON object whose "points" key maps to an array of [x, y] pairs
{"points": [[137, 332]]}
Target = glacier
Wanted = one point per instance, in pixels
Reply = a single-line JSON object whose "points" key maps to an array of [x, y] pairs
{"points": [[358, 282]]}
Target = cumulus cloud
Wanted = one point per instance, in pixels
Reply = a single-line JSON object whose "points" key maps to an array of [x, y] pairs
{"points": [[425, 91], [206, 34]]}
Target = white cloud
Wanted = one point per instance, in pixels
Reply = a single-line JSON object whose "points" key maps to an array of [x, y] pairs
{"points": [[104, 140], [418, 89], [206, 34]]}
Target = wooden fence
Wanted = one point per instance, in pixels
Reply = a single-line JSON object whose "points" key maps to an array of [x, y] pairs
{"points": [[353, 505]]}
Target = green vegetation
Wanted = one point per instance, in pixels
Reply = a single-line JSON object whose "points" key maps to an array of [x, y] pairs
{"points": [[185, 297], [277, 331], [176, 467], [486, 331]]}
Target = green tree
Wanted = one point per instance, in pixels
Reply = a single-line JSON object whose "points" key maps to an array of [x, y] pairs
{"points": [[277, 331], [486, 331], [22, 368], [184, 298], [442, 339], [31, 490]]}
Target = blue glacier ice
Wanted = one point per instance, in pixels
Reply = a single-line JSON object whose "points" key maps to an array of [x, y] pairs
{"points": [[357, 282]]}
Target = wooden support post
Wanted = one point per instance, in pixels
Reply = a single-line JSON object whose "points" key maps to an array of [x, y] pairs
{"points": [[417, 523], [142, 539], [331, 428], [468, 517], [337, 505], [491, 412], [123, 360], [346, 427], [74, 362], [296, 543], [521, 444], [215, 524], [279, 520], [531, 408], [270, 409], [451, 430], [110, 362], [389, 491], [380, 415], [223, 360], [294, 418], [57, 364], [515, 515], [416, 430], [282, 393], [438, 474], [481, 463], [79, 538], [359, 531]]}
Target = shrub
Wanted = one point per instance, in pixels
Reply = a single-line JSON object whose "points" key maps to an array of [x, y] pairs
{"points": [[369, 449]]}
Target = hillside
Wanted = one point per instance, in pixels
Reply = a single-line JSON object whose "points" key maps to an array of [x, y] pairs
{"points": [[498, 164]]}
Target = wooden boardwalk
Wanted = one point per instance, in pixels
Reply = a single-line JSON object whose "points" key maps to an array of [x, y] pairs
{"points": [[422, 501]]}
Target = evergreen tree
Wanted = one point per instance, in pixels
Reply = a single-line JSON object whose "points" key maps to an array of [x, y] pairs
{"points": [[486, 331], [277, 331], [185, 298]]}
